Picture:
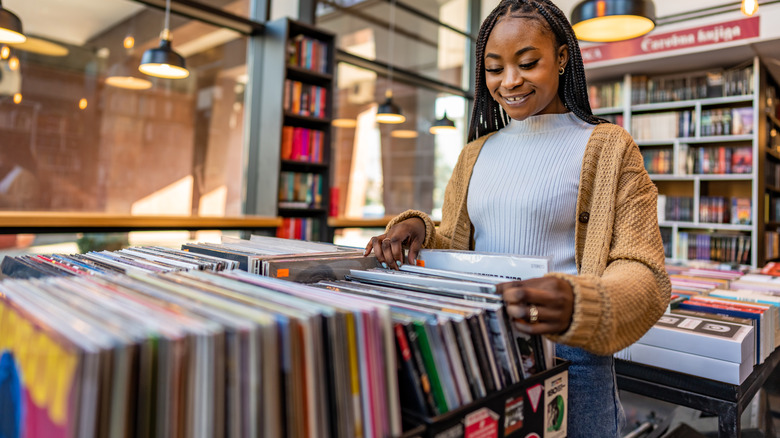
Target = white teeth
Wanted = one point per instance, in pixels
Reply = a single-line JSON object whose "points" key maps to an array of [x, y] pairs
{"points": [[513, 99]]}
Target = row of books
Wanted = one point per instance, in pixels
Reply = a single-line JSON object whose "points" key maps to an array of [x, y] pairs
{"points": [[724, 210], [617, 119], [720, 323], [301, 228], [309, 53], [663, 126], [300, 190], [735, 82], [722, 160], [771, 101], [305, 99], [704, 160], [771, 244], [658, 161], [771, 208], [727, 121], [608, 95], [772, 174], [712, 209], [666, 239], [675, 208], [302, 144], [726, 248]]}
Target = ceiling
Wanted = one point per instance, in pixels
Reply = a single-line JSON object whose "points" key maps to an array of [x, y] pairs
{"points": [[71, 21], [77, 21]]}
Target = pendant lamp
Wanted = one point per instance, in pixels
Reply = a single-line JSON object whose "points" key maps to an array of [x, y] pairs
{"points": [[749, 7], [10, 27], [389, 112], [443, 124], [124, 75], [612, 20], [162, 61]]}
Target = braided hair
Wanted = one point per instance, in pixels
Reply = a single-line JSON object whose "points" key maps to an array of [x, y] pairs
{"points": [[487, 115]]}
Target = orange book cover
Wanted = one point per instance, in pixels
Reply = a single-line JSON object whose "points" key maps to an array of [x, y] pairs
{"points": [[287, 142]]}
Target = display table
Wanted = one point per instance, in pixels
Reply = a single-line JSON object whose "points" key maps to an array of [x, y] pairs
{"points": [[724, 400], [47, 222]]}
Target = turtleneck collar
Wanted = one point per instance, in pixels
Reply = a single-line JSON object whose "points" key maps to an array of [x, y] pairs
{"points": [[542, 123]]}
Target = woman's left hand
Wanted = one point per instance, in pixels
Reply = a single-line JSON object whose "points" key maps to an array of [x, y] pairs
{"points": [[539, 305]]}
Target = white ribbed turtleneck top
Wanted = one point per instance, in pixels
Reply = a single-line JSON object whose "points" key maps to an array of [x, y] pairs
{"points": [[523, 192]]}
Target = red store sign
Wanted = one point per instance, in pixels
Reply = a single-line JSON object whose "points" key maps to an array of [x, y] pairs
{"points": [[682, 39]]}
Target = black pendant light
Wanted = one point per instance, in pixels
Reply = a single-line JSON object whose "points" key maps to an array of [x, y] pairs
{"points": [[10, 27], [388, 112], [612, 20], [162, 61], [443, 124]]}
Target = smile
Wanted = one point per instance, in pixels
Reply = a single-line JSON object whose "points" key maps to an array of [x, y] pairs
{"points": [[517, 99]]}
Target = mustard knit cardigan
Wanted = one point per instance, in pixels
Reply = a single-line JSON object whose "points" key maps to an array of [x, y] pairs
{"points": [[622, 287]]}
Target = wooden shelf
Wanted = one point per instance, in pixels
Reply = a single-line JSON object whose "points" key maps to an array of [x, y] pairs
{"points": [[707, 226], [773, 119], [291, 118], [344, 222], [608, 111], [646, 143], [717, 139], [310, 76], [48, 222], [660, 106], [703, 177], [303, 166]]}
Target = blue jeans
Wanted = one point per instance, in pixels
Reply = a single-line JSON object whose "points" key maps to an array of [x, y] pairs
{"points": [[594, 407]]}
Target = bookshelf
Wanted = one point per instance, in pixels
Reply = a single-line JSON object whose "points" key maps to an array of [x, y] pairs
{"points": [[296, 108], [701, 138], [769, 125]]}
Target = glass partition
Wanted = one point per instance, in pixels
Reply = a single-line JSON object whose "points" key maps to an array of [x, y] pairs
{"points": [[82, 130]]}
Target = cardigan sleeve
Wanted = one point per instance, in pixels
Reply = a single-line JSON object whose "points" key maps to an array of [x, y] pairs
{"points": [[614, 309]]}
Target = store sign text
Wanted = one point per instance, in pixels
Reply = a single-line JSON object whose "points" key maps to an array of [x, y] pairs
{"points": [[701, 36]]}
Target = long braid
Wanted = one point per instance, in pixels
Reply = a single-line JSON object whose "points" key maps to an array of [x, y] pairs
{"points": [[487, 115]]}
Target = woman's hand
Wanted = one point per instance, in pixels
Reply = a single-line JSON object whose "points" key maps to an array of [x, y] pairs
{"points": [[539, 305], [389, 247]]}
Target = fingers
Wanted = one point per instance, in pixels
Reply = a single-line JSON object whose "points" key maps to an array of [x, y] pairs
{"points": [[375, 246], [414, 249], [393, 252], [539, 306]]}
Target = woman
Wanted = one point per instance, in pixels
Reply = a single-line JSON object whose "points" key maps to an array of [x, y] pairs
{"points": [[542, 176]]}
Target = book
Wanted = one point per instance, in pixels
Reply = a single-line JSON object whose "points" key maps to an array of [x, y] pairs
{"points": [[704, 337], [695, 365]]}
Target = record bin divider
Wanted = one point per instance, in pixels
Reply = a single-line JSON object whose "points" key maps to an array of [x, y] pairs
{"points": [[533, 421]]}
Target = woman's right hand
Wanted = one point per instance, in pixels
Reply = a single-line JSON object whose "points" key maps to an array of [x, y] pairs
{"points": [[389, 247]]}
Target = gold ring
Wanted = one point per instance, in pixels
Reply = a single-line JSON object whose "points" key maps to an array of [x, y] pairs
{"points": [[533, 314], [386, 240]]}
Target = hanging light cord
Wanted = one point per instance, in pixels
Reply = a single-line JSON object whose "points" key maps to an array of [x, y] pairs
{"points": [[390, 47], [166, 29]]}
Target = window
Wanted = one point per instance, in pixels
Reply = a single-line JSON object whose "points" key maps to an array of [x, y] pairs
{"points": [[86, 132], [382, 170]]}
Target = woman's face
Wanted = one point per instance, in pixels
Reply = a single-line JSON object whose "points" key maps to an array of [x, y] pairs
{"points": [[521, 67]]}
